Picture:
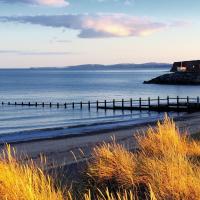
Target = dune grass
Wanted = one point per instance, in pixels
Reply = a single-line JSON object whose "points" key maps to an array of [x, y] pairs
{"points": [[166, 167], [24, 181], [167, 162], [111, 161]]}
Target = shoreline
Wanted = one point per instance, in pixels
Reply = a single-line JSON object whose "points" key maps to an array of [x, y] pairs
{"points": [[58, 151], [82, 134], [77, 131]]}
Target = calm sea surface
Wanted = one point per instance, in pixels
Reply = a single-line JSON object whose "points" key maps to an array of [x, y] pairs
{"points": [[67, 86]]}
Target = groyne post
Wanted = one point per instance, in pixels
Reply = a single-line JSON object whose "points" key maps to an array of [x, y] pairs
{"points": [[89, 105], [167, 102], [81, 105], [158, 103], [198, 102], [122, 104], [113, 103], [131, 103], [188, 102], [177, 101], [149, 103], [97, 105], [140, 103]]}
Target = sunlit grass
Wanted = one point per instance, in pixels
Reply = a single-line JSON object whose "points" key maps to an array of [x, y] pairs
{"points": [[163, 141], [110, 162], [166, 162], [166, 167], [24, 181]]}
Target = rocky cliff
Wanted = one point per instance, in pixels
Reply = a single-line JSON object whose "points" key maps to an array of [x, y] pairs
{"points": [[177, 78]]}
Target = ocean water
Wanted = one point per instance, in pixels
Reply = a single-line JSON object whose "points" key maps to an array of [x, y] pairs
{"points": [[53, 85]]}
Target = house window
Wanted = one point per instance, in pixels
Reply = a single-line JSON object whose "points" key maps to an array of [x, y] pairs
{"points": [[181, 69]]}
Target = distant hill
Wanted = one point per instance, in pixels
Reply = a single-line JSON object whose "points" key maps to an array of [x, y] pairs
{"points": [[120, 66], [130, 66]]}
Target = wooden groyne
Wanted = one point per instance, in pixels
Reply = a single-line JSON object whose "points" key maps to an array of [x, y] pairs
{"points": [[159, 104], [177, 104]]}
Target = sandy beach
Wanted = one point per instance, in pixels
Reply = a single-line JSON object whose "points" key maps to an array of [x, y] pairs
{"points": [[66, 151]]}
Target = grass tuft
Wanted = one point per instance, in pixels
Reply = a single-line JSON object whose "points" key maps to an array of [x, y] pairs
{"points": [[24, 181], [166, 167], [113, 162], [163, 141]]}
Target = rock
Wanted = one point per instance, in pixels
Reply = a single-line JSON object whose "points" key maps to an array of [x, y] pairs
{"points": [[177, 78]]}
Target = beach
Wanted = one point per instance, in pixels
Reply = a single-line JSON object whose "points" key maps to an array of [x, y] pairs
{"points": [[97, 103], [69, 150]]}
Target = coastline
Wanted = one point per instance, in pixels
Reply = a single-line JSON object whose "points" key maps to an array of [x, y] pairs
{"points": [[58, 151], [176, 78], [74, 131]]}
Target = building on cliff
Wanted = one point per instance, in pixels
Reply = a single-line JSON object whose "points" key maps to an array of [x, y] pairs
{"points": [[186, 66]]}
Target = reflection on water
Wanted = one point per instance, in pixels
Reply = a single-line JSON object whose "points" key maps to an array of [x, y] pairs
{"points": [[67, 86]]}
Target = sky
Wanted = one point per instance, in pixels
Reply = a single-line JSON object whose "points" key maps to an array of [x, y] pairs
{"points": [[55, 33]]}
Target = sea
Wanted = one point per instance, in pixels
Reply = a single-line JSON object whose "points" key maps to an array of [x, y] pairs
{"points": [[23, 123]]}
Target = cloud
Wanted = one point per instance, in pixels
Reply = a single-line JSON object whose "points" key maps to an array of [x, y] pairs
{"points": [[180, 23], [58, 3], [96, 26], [63, 41], [126, 2], [34, 53]]}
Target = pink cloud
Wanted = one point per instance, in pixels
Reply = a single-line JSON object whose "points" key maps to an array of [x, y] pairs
{"points": [[58, 3], [119, 25], [99, 25]]}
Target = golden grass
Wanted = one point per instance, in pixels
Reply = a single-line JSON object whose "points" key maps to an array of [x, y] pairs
{"points": [[162, 141], [166, 141], [166, 162], [127, 195], [110, 162], [166, 167], [24, 181], [193, 149], [175, 180], [20, 181]]}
